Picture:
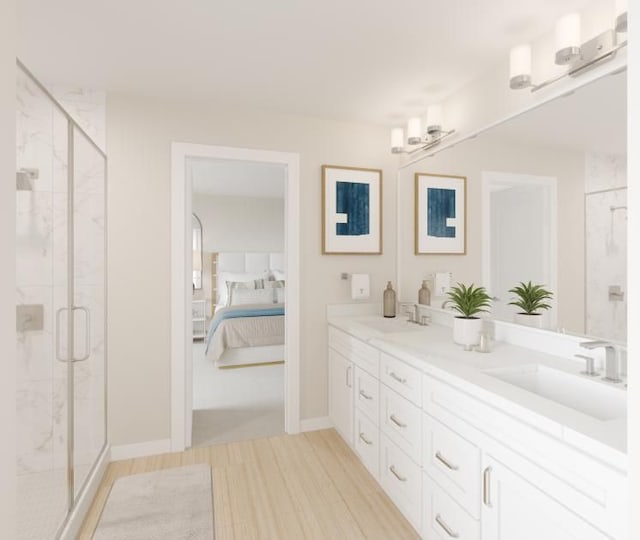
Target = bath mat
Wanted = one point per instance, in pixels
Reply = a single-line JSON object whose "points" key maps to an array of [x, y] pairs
{"points": [[172, 504]]}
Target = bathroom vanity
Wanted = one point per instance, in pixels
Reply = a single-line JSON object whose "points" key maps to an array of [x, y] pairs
{"points": [[515, 444]]}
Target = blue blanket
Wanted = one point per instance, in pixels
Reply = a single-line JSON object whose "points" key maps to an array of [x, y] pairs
{"points": [[241, 311]]}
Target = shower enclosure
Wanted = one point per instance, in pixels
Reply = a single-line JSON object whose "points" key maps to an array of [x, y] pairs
{"points": [[60, 311]]}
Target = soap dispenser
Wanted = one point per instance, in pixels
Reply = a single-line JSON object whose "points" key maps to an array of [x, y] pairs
{"points": [[424, 294], [389, 301]]}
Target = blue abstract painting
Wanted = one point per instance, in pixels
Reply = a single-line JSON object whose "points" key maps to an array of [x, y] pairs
{"points": [[441, 205], [352, 199]]}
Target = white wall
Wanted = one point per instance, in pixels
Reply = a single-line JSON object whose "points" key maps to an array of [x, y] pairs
{"points": [[470, 159], [7, 269], [139, 136], [240, 223]]}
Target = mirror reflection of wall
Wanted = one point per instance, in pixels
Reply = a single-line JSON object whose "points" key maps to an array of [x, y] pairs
{"points": [[580, 140]]}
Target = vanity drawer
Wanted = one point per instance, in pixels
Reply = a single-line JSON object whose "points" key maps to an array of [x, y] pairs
{"points": [[401, 421], [367, 443], [401, 479], [443, 518], [368, 395], [403, 378], [360, 353], [453, 462]]}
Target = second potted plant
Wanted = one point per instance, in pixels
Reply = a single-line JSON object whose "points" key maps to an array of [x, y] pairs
{"points": [[532, 300], [468, 302]]}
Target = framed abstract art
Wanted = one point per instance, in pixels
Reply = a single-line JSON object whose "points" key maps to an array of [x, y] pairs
{"points": [[351, 210], [440, 215]]}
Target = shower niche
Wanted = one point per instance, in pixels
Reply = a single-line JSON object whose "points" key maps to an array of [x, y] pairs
{"points": [[60, 312]]}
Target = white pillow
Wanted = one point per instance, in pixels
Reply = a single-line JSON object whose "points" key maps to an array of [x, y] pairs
{"points": [[278, 290], [223, 277], [278, 275], [241, 297]]}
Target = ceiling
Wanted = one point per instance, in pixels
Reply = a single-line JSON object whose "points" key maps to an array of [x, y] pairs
{"points": [[593, 118], [374, 61], [230, 178]]}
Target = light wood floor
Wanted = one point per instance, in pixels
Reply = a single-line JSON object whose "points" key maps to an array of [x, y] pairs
{"points": [[292, 486]]}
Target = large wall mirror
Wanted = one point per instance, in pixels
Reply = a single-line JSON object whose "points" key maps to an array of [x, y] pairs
{"points": [[546, 202]]}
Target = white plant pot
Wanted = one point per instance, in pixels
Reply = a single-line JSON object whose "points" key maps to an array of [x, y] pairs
{"points": [[466, 331], [534, 320]]}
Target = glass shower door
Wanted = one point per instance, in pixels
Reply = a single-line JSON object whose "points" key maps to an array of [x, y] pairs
{"points": [[89, 433], [42, 289]]}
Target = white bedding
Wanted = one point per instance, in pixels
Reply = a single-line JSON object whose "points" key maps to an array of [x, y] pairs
{"points": [[246, 332]]}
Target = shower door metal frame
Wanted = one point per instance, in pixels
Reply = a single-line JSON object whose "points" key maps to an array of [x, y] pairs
{"points": [[70, 359]]}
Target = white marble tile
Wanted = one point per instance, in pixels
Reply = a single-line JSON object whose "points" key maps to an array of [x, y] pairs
{"points": [[89, 240], [88, 167], [34, 228], [604, 171], [34, 427], [88, 109], [606, 264]]}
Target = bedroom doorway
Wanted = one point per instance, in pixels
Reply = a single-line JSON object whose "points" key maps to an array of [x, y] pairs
{"points": [[235, 361], [238, 299]]}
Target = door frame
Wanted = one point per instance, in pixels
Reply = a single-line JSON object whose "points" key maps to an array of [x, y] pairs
{"points": [[181, 286], [550, 185]]}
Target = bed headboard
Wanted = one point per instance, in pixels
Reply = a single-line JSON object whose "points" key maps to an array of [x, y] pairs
{"points": [[239, 262]]}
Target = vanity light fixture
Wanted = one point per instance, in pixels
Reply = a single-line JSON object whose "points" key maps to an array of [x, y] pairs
{"points": [[570, 50], [416, 136]]}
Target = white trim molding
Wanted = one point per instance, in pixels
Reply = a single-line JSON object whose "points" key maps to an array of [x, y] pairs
{"points": [[315, 424], [181, 379], [141, 449]]}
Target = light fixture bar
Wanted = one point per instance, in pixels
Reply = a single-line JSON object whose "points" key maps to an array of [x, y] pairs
{"points": [[425, 145], [595, 51]]}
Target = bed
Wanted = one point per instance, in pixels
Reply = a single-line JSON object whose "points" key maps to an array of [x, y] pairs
{"points": [[248, 325]]}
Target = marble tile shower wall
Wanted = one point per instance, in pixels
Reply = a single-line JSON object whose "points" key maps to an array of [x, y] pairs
{"points": [[41, 264], [606, 244]]}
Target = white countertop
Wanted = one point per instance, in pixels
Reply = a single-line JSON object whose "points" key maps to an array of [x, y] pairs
{"points": [[432, 350]]}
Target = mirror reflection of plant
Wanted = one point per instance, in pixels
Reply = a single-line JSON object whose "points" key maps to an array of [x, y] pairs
{"points": [[468, 301], [531, 298]]}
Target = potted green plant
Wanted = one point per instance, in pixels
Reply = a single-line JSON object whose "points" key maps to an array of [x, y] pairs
{"points": [[531, 300], [468, 302]]}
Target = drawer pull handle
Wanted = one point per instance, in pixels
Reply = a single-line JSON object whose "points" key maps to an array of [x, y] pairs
{"points": [[397, 422], [486, 489], [446, 462], [364, 439], [395, 473], [365, 395], [397, 378], [446, 527]]}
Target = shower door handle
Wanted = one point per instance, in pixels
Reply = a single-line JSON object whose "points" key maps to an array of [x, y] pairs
{"points": [[87, 333], [59, 357]]}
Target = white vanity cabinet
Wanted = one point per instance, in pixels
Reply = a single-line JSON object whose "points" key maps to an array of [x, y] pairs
{"points": [[456, 465], [515, 508], [341, 395]]}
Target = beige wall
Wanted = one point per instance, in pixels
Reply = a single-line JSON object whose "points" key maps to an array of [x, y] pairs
{"points": [[139, 136], [7, 269], [469, 159]]}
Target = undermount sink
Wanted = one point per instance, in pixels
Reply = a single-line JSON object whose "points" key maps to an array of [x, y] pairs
{"points": [[591, 397]]}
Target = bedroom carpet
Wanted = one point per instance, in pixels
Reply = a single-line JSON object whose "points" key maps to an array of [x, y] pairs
{"points": [[172, 504], [235, 404]]}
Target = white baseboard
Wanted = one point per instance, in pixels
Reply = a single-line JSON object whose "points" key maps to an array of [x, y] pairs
{"points": [[314, 424], [147, 448]]}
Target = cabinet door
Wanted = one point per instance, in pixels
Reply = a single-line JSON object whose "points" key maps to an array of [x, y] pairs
{"points": [[515, 509], [341, 395]]}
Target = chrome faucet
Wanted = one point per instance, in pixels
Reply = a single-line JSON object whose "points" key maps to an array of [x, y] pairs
{"points": [[612, 367]]}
